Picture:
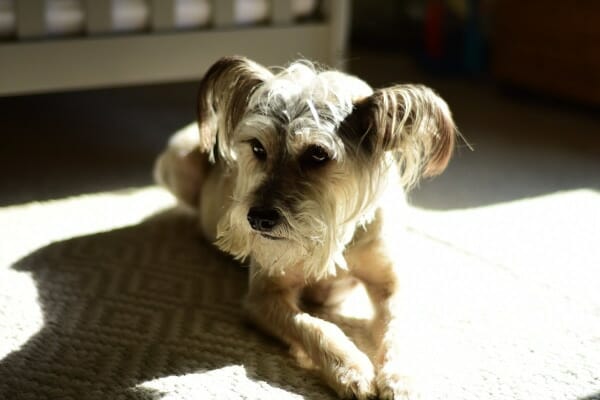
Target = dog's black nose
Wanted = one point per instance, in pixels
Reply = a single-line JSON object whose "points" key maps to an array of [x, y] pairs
{"points": [[263, 219]]}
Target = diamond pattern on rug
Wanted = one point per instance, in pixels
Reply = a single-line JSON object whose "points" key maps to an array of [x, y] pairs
{"points": [[138, 304]]}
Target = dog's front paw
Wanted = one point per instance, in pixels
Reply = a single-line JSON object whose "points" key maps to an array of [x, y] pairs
{"points": [[395, 386], [354, 380]]}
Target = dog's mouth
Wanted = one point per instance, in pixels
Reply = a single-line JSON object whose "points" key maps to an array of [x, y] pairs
{"points": [[271, 237]]}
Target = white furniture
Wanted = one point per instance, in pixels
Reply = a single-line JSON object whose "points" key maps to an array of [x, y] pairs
{"points": [[52, 45]]}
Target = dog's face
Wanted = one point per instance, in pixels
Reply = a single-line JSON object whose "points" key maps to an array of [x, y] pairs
{"points": [[311, 153]]}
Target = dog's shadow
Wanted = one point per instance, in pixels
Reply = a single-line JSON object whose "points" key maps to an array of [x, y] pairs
{"points": [[134, 305]]}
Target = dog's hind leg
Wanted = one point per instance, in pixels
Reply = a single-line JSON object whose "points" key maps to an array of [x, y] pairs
{"points": [[182, 167]]}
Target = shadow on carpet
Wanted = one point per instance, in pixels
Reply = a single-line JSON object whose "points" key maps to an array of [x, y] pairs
{"points": [[135, 305]]}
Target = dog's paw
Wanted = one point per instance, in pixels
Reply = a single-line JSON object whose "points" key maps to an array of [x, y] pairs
{"points": [[355, 384], [355, 381], [395, 386]]}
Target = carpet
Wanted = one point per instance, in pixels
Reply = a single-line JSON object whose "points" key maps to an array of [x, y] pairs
{"points": [[115, 296]]}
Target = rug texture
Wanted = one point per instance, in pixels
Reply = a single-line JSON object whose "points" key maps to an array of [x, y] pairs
{"points": [[115, 296]]}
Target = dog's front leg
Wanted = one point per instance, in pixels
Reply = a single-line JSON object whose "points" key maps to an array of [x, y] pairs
{"points": [[376, 269], [273, 305]]}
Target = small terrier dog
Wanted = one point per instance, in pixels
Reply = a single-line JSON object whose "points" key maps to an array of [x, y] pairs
{"points": [[302, 172]]}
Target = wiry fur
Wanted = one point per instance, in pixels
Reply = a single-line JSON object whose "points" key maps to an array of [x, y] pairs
{"points": [[334, 215]]}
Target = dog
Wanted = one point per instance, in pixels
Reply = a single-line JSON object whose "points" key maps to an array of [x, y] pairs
{"points": [[302, 172]]}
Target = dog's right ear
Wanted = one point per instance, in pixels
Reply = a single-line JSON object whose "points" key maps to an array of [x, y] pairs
{"points": [[412, 122], [223, 99]]}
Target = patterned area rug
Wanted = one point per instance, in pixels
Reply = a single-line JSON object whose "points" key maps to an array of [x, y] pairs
{"points": [[108, 296], [144, 311]]}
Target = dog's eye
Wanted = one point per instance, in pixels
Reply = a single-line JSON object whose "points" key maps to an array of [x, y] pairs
{"points": [[258, 150], [314, 156]]}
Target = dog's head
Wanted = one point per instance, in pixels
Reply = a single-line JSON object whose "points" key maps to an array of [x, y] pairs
{"points": [[312, 152]]}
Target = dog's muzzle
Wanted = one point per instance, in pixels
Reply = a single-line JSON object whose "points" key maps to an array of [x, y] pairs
{"points": [[263, 219]]}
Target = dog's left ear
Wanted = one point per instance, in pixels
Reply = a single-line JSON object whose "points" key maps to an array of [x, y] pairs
{"points": [[411, 121], [223, 99]]}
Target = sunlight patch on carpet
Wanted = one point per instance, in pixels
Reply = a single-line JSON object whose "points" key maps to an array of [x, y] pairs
{"points": [[551, 238], [32, 225], [233, 383]]}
